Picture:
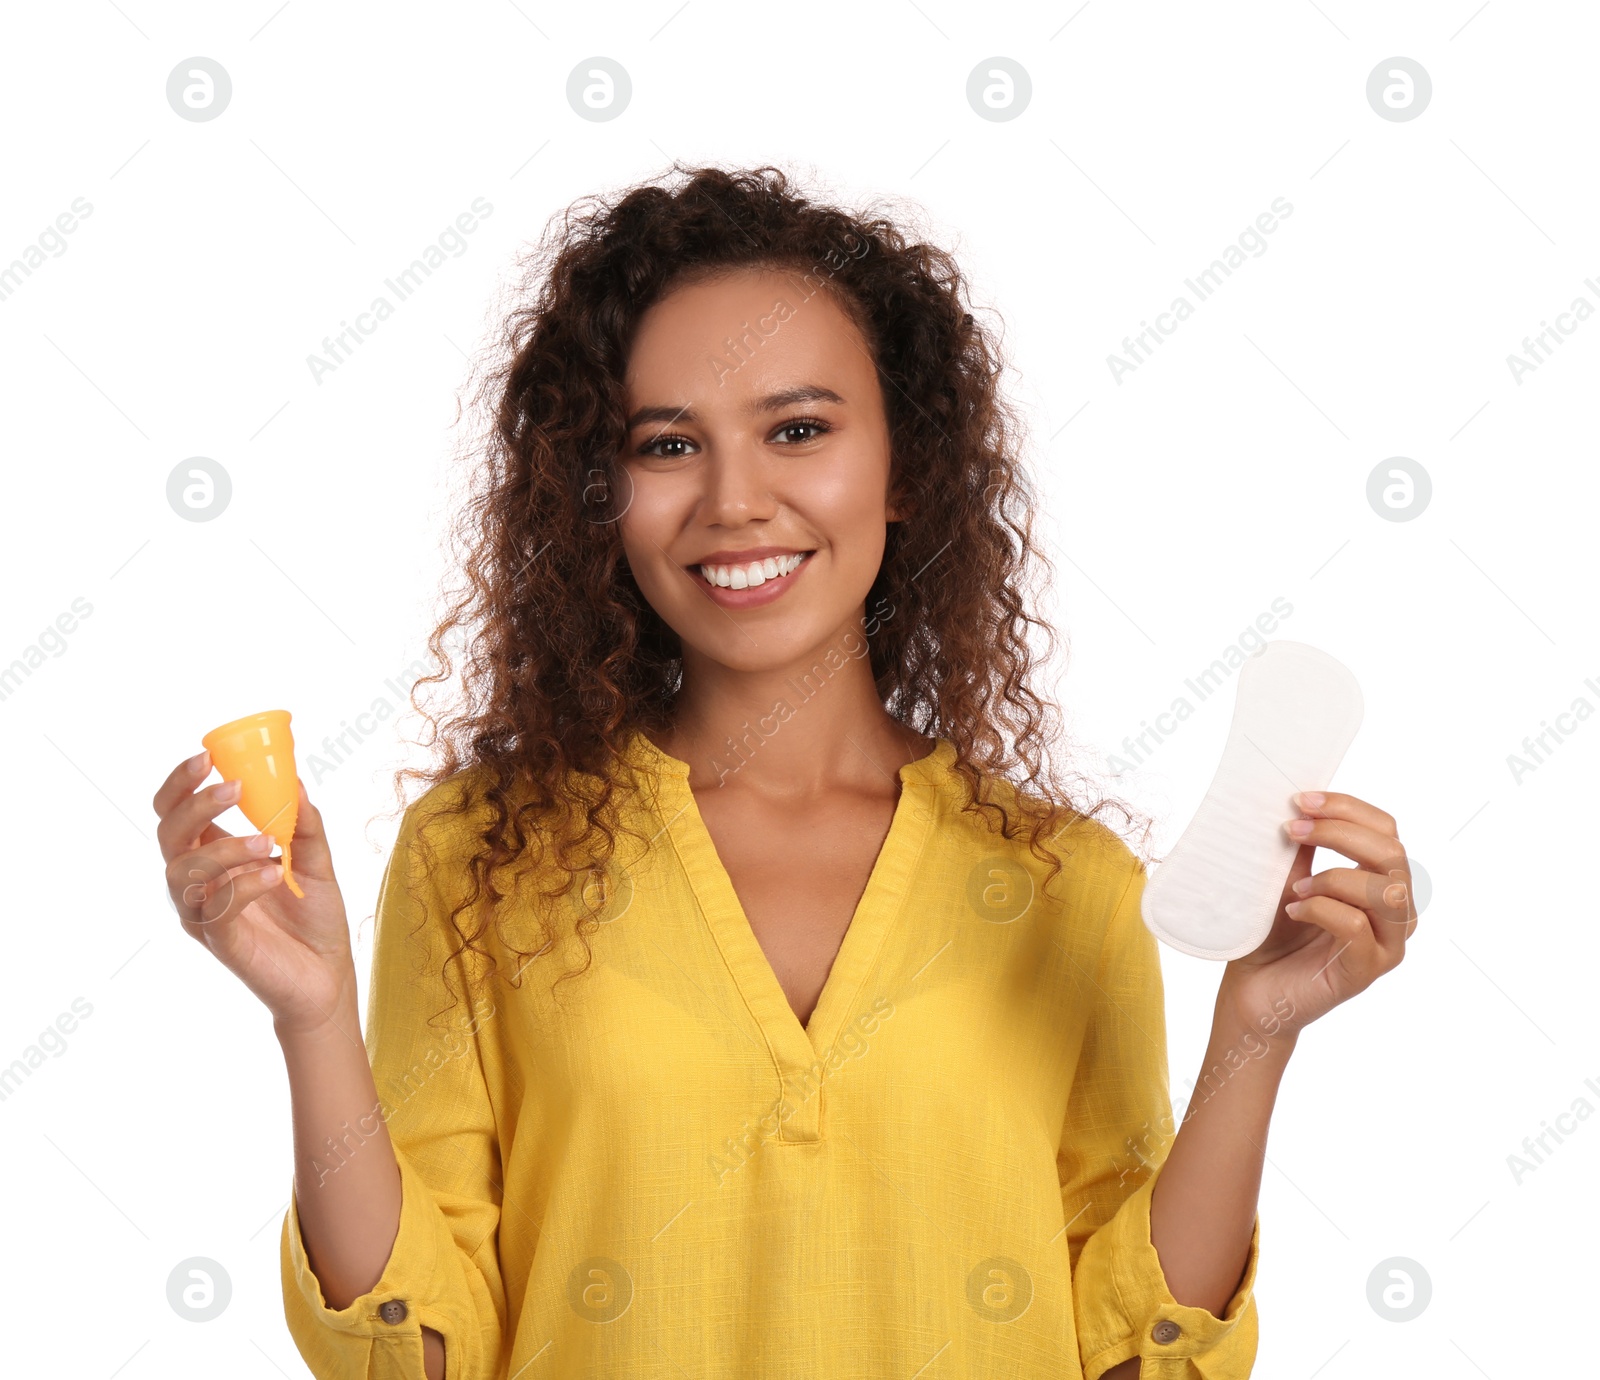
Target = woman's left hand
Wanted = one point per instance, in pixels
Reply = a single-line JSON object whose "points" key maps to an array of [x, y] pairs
{"points": [[1336, 932]]}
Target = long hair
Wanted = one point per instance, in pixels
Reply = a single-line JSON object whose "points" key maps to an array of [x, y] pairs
{"points": [[562, 657]]}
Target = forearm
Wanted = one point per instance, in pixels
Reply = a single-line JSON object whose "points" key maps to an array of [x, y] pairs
{"points": [[1203, 1208], [347, 1182], [348, 1192]]}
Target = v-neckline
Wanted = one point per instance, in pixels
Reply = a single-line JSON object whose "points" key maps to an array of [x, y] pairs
{"points": [[795, 1047]]}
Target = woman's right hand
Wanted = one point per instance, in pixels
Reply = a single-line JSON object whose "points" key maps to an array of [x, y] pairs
{"points": [[292, 952]]}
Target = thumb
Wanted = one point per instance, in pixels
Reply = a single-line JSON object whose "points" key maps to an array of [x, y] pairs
{"points": [[311, 853]]}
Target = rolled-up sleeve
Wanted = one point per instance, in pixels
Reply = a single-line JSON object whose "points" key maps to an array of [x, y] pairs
{"points": [[443, 1269], [1119, 1129]]}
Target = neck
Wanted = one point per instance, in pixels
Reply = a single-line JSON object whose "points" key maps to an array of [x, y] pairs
{"points": [[804, 730]]}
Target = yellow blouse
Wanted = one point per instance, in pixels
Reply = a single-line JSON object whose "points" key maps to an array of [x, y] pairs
{"points": [[658, 1172]]}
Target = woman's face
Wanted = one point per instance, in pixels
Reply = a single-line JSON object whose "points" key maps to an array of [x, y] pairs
{"points": [[756, 429]]}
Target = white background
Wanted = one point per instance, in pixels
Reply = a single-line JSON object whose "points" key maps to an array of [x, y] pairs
{"points": [[1229, 470]]}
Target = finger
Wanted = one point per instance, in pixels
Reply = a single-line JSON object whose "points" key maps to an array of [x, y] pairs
{"points": [[1373, 850], [1402, 924], [181, 781], [193, 876], [1385, 899], [1355, 946], [225, 897], [180, 830], [1336, 805], [312, 857]]}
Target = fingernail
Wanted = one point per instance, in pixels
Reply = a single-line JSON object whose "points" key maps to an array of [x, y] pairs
{"points": [[231, 789], [1313, 798], [1303, 885], [1300, 827], [1394, 895], [1292, 909], [199, 762], [261, 843]]}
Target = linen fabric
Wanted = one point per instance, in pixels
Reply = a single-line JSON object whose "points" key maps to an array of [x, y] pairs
{"points": [[657, 1171]]}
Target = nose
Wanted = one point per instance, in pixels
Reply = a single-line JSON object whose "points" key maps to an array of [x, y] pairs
{"points": [[738, 484]]}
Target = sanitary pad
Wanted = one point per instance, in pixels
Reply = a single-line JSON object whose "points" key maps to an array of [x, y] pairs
{"points": [[1217, 892]]}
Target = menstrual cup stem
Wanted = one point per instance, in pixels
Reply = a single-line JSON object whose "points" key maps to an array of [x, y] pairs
{"points": [[288, 876], [293, 811]]}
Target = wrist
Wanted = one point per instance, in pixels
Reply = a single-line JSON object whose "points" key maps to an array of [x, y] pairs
{"points": [[341, 1021], [1264, 1028]]}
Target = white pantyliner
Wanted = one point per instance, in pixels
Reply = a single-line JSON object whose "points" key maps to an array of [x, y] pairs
{"points": [[1217, 892]]}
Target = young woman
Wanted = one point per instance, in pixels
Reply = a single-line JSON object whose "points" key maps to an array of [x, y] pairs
{"points": [[748, 997]]}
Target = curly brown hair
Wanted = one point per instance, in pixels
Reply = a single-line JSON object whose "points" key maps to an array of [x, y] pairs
{"points": [[564, 659]]}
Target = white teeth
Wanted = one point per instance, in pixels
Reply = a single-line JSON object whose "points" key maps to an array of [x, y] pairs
{"points": [[753, 574]]}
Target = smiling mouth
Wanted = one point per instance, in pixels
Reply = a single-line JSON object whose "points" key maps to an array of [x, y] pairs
{"points": [[752, 574]]}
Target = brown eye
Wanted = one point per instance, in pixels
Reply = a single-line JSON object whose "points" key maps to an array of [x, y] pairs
{"points": [[800, 423], [649, 447]]}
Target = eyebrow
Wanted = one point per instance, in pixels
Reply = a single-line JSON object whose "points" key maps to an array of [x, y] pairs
{"points": [[785, 397]]}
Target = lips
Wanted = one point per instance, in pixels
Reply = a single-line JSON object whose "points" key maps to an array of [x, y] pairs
{"points": [[749, 572], [789, 567]]}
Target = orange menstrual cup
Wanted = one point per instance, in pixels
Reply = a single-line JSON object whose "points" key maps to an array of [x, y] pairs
{"points": [[258, 751]]}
